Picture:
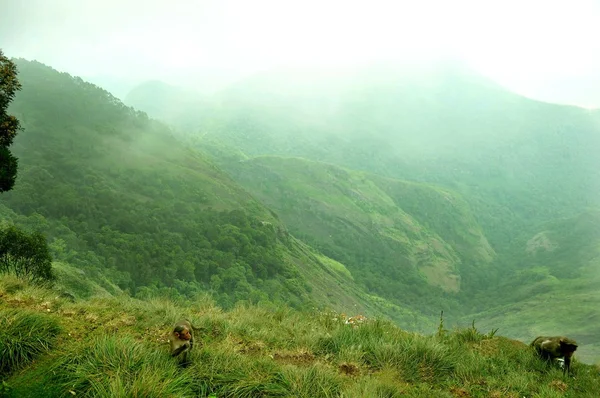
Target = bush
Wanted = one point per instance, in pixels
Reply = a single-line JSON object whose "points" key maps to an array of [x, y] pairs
{"points": [[25, 255]]}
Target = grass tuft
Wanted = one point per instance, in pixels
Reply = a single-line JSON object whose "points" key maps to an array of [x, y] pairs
{"points": [[24, 335], [111, 366]]}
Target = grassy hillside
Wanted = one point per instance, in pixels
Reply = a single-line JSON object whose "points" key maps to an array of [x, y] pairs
{"points": [[115, 346], [120, 198], [396, 237]]}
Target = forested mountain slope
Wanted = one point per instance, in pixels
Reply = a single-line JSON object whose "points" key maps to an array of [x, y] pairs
{"points": [[115, 192], [398, 239], [518, 162]]}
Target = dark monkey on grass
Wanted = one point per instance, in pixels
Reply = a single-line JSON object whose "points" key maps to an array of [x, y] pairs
{"points": [[550, 348], [182, 340]]}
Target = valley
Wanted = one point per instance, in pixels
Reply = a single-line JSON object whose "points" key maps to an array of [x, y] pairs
{"points": [[346, 194]]}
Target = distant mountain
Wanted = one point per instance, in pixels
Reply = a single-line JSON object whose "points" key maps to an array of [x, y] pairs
{"points": [[517, 161], [119, 196], [117, 86]]}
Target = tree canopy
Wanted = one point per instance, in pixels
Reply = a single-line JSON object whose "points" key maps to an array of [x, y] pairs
{"points": [[25, 254], [9, 125]]}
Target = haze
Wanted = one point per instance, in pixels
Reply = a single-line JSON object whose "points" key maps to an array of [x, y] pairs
{"points": [[545, 50]]}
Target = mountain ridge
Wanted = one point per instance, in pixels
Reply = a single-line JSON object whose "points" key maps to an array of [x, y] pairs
{"points": [[117, 194]]}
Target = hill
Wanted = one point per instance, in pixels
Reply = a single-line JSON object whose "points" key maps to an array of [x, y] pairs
{"points": [[520, 165], [518, 162], [399, 239], [120, 198], [115, 346]]}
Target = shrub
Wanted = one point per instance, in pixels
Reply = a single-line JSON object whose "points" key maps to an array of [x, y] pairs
{"points": [[25, 255]]}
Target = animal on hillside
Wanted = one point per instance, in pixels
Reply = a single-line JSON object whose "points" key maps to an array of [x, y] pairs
{"points": [[550, 348], [182, 340]]}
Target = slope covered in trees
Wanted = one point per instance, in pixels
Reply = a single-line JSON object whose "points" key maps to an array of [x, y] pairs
{"points": [[118, 195], [408, 242], [518, 162]]}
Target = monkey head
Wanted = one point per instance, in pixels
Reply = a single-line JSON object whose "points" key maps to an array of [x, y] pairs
{"points": [[182, 333], [567, 346]]}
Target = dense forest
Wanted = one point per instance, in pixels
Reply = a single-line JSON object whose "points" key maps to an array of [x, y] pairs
{"points": [[517, 161], [113, 190], [120, 197], [390, 233]]}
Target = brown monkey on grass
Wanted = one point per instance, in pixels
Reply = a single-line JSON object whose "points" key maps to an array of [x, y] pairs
{"points": [[550, 348], [182, 340]]}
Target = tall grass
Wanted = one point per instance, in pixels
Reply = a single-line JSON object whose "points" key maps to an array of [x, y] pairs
{"points": [[118, 350], [24, 335], [379, 345], [221, 371], [111, 366]]}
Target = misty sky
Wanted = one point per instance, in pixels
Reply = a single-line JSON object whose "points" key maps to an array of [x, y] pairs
{"points": [[547, 49]]}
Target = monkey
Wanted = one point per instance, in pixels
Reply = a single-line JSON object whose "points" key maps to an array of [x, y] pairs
{"points": [[550, 348], [182, 340]]}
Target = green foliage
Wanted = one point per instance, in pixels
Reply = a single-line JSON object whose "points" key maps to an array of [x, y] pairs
{"points": [[388, 233], [9, 125], [518, 162], [163, 220], [26, 255], [441, 331], [24, 336]]}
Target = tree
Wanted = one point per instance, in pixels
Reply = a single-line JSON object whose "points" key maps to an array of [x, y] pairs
{"points": [[9, 125], [25, 255]]}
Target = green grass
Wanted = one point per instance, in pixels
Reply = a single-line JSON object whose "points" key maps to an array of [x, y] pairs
{"points": [[336, 266], [24, 335], [117, 347], [118, 366]]}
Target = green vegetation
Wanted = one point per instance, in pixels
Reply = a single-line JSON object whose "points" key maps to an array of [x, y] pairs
{"points": [[145, 229], [24, 335], [116, 346], [25, 255], [519, 173], [135, 210], [518, 162], [97, 181], [553, 280], [9, 125], [389, 233]]}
